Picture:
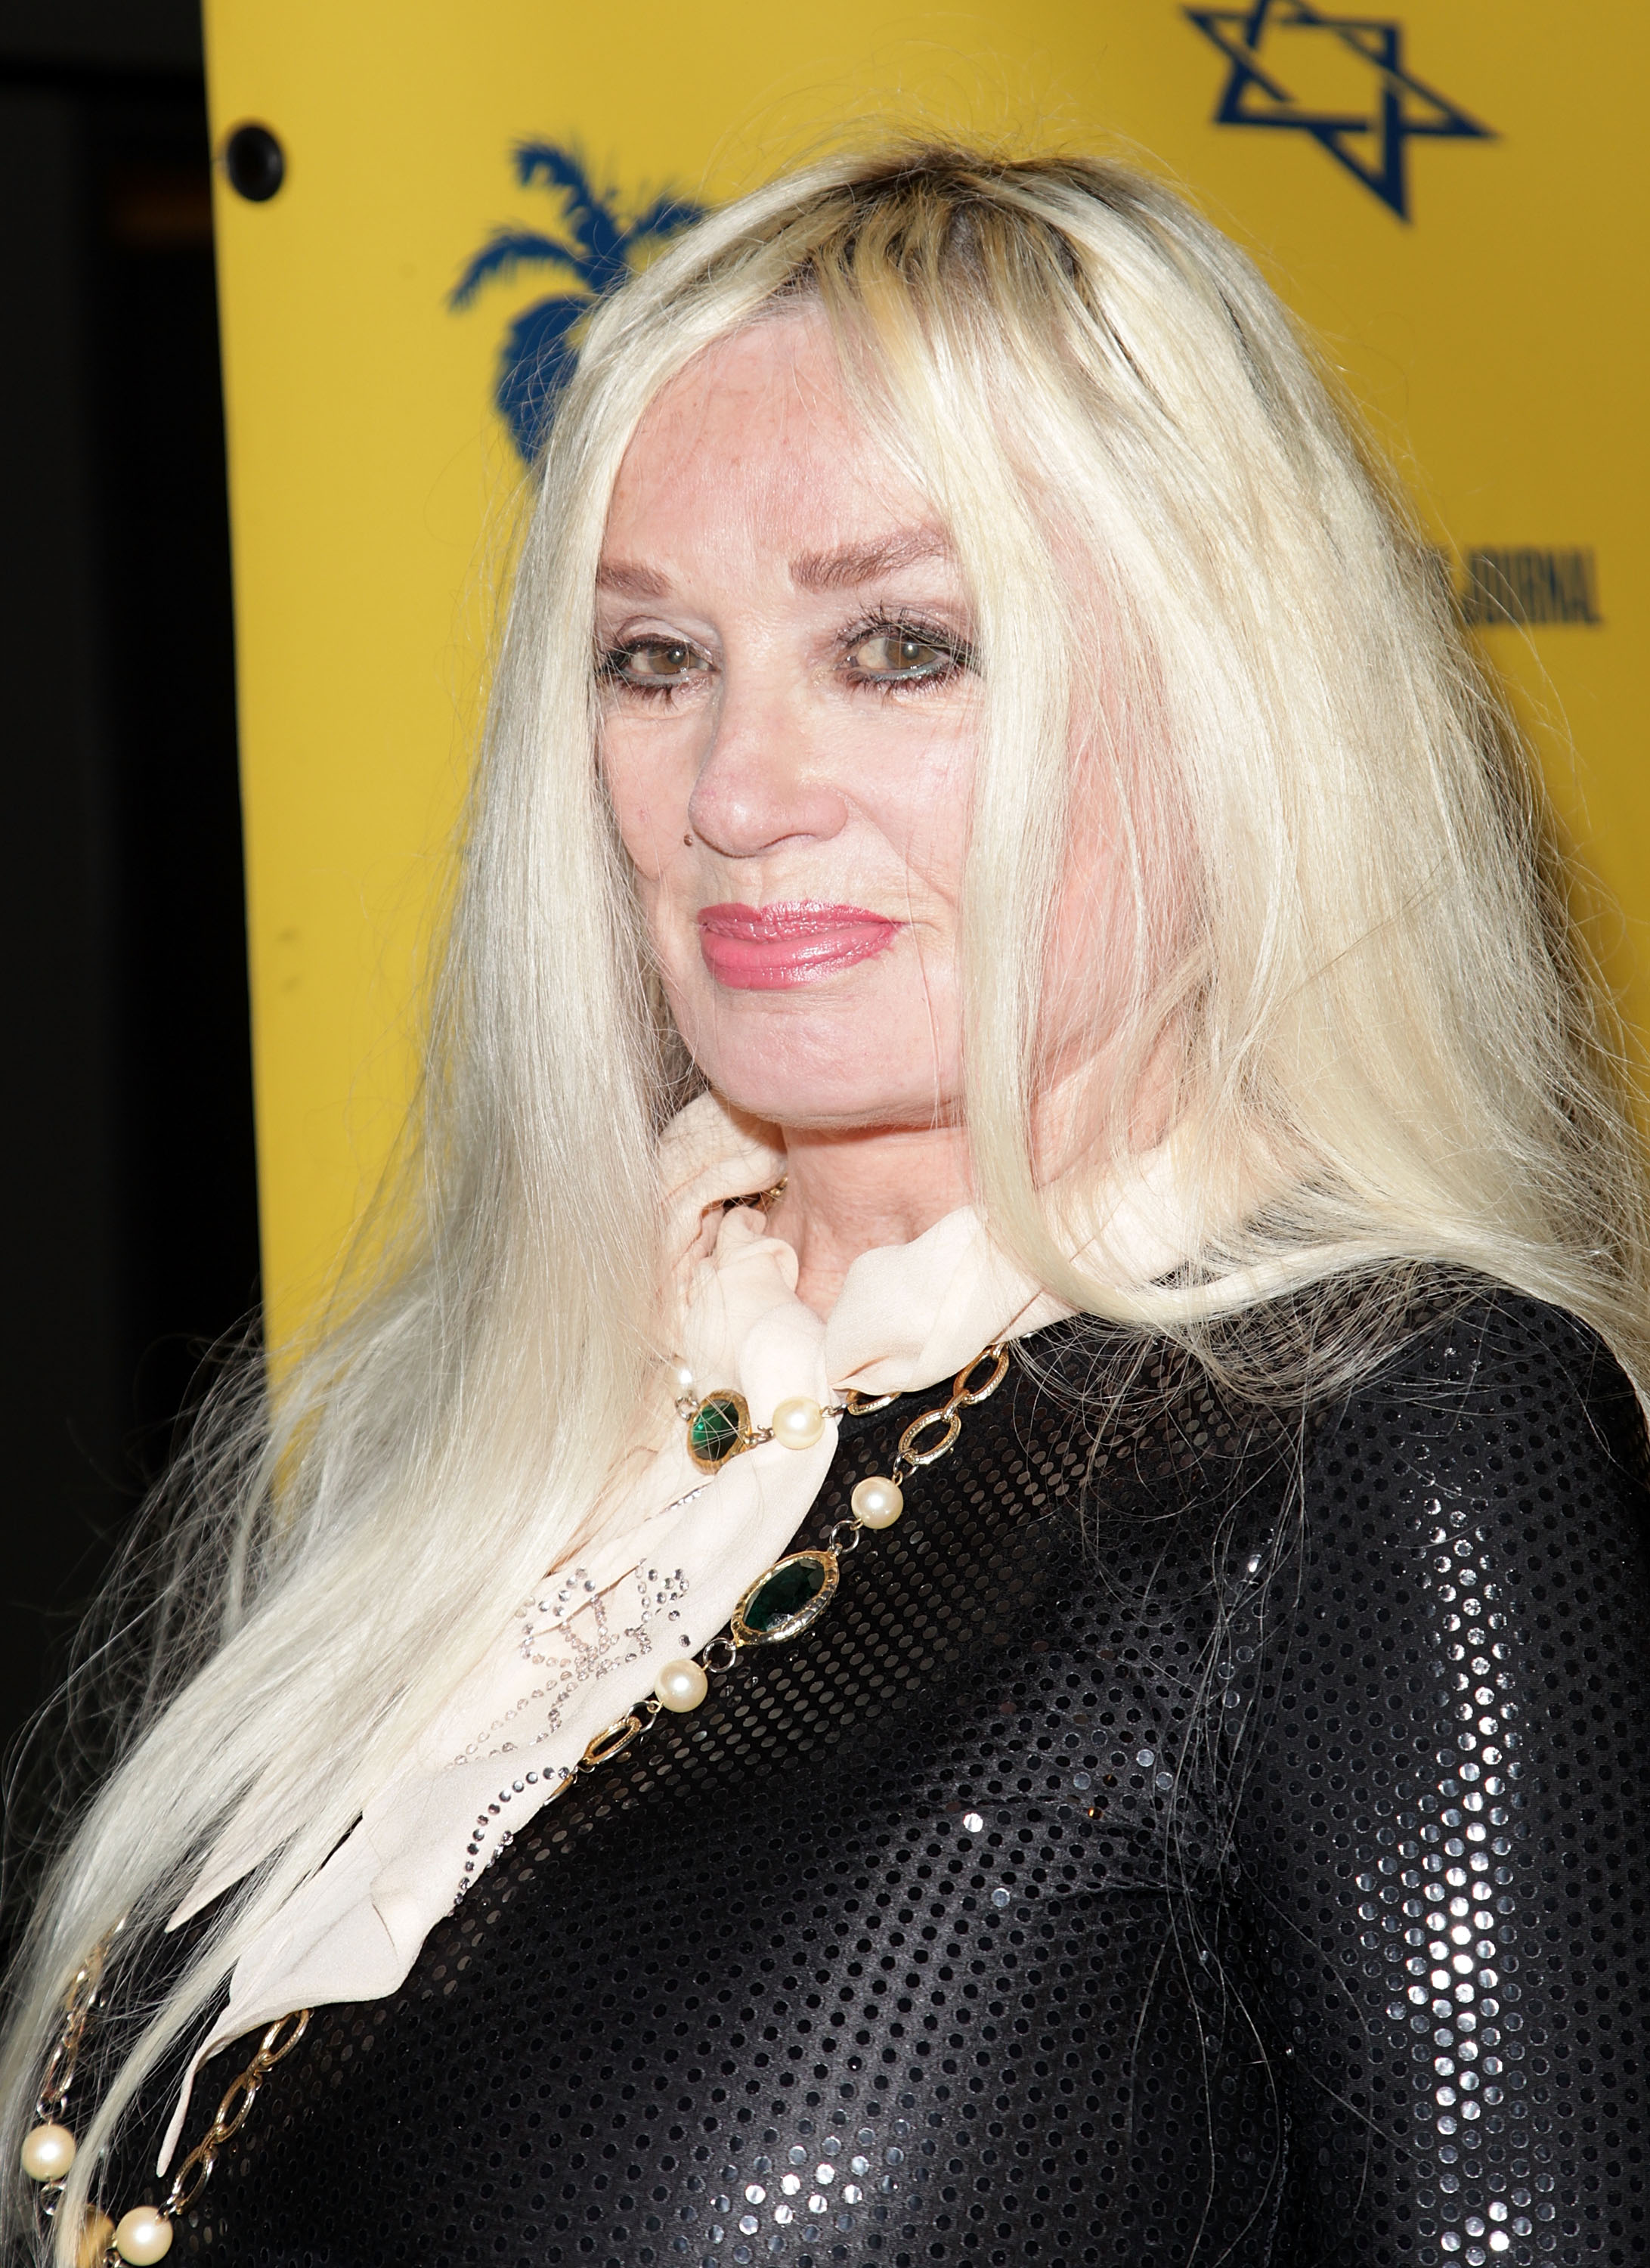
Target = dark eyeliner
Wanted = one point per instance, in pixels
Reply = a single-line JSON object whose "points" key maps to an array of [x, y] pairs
{"points": [[610, 668], [897, 622]]}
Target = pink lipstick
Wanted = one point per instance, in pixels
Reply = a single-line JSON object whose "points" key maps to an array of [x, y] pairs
{"points": [[766, 948]]}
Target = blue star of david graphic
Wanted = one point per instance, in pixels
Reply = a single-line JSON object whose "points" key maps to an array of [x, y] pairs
{"points": [[1404, 108]]}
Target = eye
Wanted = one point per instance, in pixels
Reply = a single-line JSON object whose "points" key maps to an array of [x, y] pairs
{"points": [[653, 665], [887, 654], [900, 654]]}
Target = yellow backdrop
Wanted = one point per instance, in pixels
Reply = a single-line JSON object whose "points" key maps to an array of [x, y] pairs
{"points": [[1455, 196]]}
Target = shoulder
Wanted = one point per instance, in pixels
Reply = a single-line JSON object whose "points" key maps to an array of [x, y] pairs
{"points": [[1502, 1373], [1485, 1393], [1503, 1418]]}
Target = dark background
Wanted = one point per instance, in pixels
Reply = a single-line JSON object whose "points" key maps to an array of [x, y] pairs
{"points": [[126, 1151]]}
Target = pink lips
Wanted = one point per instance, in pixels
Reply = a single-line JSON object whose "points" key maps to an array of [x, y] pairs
{"points": [[765, 948]]}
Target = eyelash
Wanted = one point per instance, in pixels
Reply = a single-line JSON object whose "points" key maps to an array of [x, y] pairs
{"points": [[889, 622], [892, 621]]}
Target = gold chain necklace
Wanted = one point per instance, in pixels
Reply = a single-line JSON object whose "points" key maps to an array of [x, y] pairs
{"points": [[787, 1599], [790, 1596]]}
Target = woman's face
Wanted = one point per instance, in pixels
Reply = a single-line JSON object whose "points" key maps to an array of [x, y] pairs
{"points": [[790, 721]]}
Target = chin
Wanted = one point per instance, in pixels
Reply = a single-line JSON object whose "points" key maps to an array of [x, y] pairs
{"points": [[823, 1098], [839, 1056]]}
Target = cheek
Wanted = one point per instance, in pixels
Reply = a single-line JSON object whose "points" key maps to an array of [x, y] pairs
{"points": [[652, 820], [1122, 914], [916, 797], [650, 817]]}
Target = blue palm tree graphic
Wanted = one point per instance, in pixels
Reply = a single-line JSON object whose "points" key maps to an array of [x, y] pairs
{"points": [[593, 248]]}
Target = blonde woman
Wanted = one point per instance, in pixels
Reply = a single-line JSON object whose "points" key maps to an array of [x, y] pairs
{"points": [[971, 1588]]}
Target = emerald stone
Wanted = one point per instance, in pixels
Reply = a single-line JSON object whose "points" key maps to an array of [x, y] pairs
{"points": [[715, 1429], [780, 1602]]}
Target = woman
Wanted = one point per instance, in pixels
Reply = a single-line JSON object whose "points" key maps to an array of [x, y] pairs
{"points": [[1144, 1243]]}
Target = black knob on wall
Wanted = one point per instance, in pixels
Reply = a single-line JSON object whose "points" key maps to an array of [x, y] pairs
{"points": [[255, 162]]}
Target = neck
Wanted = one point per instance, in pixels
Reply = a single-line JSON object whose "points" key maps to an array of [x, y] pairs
{"points": [[845, 1194]]}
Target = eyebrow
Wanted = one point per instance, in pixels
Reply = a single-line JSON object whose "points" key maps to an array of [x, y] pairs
{"points": [[631, 581], [814, 570], [856, 563]]}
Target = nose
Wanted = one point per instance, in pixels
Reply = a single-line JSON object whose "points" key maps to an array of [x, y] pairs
{"points": [[764, 782]]}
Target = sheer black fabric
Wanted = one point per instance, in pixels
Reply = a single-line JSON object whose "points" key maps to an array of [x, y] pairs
{"points": [[1188, 1838]]}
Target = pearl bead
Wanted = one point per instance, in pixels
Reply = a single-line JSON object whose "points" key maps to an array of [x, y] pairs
{"points": [[682, 1378], [799, 1422], [681, 1685], [144, 2235], [876, 1503], [48, 2153]]}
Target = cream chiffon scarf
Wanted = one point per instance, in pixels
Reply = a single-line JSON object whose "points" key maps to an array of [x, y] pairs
{"points": [[675, 1553]]}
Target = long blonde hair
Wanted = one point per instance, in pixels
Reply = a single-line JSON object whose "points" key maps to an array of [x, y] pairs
{"points": [[1370, 1011]]}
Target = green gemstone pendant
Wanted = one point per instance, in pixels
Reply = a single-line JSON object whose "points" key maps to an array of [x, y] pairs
{"points": [[719, 1429], [783, 1603]]}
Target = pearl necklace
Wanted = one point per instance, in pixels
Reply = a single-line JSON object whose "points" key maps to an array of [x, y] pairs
{"points": [[720, 1428], [144, 2235], [786, 1599], [791, 1594]]}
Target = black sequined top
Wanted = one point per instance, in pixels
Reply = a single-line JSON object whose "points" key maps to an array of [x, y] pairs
{"points": [[1187, 1837]]}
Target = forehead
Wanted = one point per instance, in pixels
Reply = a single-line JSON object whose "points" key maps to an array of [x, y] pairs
{"points": [[756, 448]]}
